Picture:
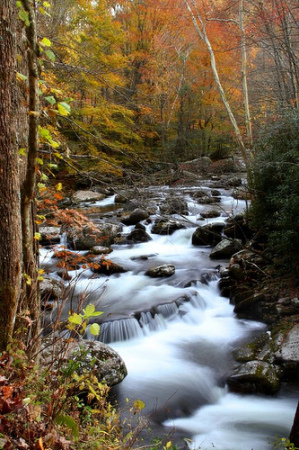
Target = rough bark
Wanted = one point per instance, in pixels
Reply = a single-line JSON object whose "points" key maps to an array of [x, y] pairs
{"points": [[10, 234], [29, 305]]}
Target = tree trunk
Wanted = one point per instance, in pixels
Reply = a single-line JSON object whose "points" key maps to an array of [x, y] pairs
{"points": [[29, 307], [10, 235], [200, 28]]}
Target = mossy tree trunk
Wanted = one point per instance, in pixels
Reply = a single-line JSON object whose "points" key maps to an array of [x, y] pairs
{"points": [[10, 234]]}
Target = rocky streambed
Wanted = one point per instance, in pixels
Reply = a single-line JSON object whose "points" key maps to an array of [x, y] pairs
{"points": [[151, 261]]}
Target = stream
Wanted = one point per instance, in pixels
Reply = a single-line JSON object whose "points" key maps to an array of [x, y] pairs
{"points": [[176, 335]]}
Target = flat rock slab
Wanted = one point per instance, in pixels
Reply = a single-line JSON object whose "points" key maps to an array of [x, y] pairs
{"points": [[289, 350]]}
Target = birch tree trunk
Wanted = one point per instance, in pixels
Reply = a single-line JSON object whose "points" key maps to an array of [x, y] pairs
{"points": [[201, 31], [10, 232]]}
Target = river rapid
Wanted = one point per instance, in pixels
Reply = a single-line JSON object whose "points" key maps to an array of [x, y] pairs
{"points": [[177, 334]]}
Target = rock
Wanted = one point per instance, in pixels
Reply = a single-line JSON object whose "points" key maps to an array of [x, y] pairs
{"points": [[226, 248], [138, 235], [288, 346], [86, 196], [208, 200], [166, 226], [107, 267], [209, 234], [100, 250], [165, 270], [85, 238], [236, 228], [50, 289], [174, 205], [94, 357], [136, 216], [49, 235], [210, 214], [255, 377]]}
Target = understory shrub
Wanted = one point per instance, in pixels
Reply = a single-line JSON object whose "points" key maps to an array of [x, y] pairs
{"points": [[275, 208]]}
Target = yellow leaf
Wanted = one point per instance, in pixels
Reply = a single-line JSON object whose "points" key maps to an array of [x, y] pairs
{"points": [[58, 187], [37, 236], [45, 42]]}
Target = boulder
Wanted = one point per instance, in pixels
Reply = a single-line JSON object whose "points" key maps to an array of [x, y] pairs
{"points": [[86, 196], [226, 248], [100, 250], [288, 345], [167, 226], [236, 228], [107, 267], [210, 214], [137, 215], [137, 236], [165, 270], [254, 377], [50, 289], [49, 235], [174, 205], [91, 356], [209, 234], [85, 238]]}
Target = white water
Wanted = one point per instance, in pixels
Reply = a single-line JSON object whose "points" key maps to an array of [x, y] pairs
{"points": [[176, 336]]}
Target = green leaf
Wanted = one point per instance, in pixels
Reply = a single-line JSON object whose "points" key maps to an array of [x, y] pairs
{"points": [[69, 422], [23, 152], [24, 16], [50, 99], [76, 318], [64, 108], [43, 11], [21, 77], [89, 310], [52, 166], [46, 5], [50, 55], [44, 177], [95, 329], [45, 42], [138, 404], [39, 161]]}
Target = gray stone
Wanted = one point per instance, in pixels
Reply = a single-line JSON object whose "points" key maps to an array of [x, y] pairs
{"points": [[167, 226], [226, 248], [93, 357], [255, 376], [49, 235], [100, 250], [50, 289], [174, 205], [85, 238], [209, 234], [165, 270], [136, 216], [86, 196], [289, 346]]}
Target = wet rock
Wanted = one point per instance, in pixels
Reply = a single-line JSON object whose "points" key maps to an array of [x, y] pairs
{"points": [[136, 216], [226, 248], [165, 270], [50, 289], [137, 236], [174, 205], [167, 226], [107, 267], [288, 346], [86, 196], [85, 238], [236, 228], [100, 250], [209, 234], [49, 235], [210, 214], [93, 357], [254, 377]]}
